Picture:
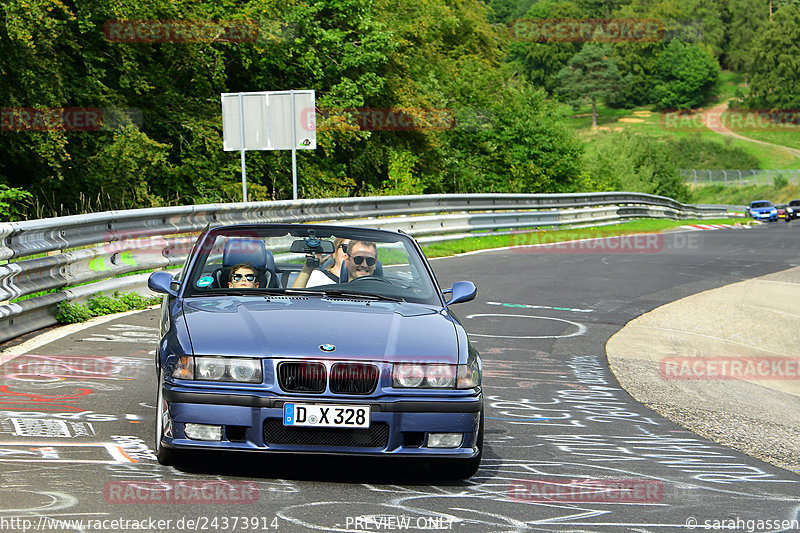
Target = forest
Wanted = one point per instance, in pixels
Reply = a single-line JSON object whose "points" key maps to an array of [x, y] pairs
{"points": [[116, 104]]}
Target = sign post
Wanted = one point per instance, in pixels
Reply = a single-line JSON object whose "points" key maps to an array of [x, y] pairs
{"points": [[273, 120]]}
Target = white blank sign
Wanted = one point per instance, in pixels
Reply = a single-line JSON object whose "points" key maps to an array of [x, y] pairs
{"points": [[268, 123]]}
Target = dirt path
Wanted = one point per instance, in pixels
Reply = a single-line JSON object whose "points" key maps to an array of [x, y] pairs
{"points": [[714, 123]]}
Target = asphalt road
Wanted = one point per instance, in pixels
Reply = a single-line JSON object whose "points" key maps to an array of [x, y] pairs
{"points": [[76, 448]]}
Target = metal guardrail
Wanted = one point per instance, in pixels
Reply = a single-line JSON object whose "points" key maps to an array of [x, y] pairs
{"points": [[92, 249]]}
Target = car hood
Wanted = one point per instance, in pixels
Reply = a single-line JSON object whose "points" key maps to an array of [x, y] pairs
{"points": [[292, 327]]}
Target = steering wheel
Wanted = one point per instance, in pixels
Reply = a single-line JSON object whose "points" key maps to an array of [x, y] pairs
{"points": [[372, 278]]}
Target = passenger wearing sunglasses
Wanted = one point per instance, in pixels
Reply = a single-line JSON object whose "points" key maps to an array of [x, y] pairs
{"points": [[309, 277], [243, 276], [361, 259], [339, 255]]}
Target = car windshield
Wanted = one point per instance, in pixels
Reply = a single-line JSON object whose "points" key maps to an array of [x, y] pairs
{"points": [[261, 261], [756, 205]]}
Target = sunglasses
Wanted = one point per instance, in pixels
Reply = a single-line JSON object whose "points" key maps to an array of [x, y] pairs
{"points": [[343, 246], [248, 277], [360, 259]]}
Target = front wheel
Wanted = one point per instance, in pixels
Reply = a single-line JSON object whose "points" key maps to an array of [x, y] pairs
{"points": [[166, 456], [462, 468]]}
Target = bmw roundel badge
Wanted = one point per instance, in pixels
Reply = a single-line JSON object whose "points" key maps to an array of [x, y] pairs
{"points": [[327, 347]]}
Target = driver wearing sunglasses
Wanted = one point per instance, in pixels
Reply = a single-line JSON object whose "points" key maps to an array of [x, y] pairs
{"points": [[361, 259], [243, 276]]}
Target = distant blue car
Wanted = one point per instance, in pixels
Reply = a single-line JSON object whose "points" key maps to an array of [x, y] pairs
{"points": [[762, 210], [266, 347]]}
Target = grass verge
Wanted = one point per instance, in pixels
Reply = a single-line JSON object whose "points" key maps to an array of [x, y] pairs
{"points": [[471, 244], [719, 194]]}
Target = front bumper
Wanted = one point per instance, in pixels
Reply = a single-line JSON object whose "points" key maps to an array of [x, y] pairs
{"points": [[767, 217], [399, 425]]}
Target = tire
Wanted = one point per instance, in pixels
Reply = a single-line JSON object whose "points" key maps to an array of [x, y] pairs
{"points": [[461, 468], [165, 456]]}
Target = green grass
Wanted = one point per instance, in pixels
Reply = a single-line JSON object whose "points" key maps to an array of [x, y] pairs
{"points": [[646, 120], [763, 130], [581, 118], [471, 244], [728, 84], [719, 194]]}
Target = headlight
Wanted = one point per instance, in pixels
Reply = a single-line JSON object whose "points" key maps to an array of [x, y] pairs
{"points": [[435, 376], [408, 375], [440, 376], [245, 370], [238, 369], [210, 368], [789, 210]]}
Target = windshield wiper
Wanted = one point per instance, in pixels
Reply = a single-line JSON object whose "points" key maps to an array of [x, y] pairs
{"points": [[334, 292], [361, 295]]}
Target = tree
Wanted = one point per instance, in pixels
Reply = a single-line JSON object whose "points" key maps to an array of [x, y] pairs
{"points": [[541, 61], [775, 70], [688, 21], [742, 24], [686, 76], [590, 74]]}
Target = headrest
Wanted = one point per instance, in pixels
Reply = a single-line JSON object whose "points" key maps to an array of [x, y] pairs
{"points": [[250, 251]]}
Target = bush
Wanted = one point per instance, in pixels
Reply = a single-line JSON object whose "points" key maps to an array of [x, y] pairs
{"points": [[695, 152], [106, 305], [686, 76], [68, 313], [13, 203], [636, 163], [99, 305]]}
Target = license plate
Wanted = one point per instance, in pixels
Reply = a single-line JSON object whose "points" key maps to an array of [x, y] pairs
{"points": [[326, 416]]}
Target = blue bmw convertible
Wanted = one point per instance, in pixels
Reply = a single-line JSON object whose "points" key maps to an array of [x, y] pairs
{"points": [[316, 339]]}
